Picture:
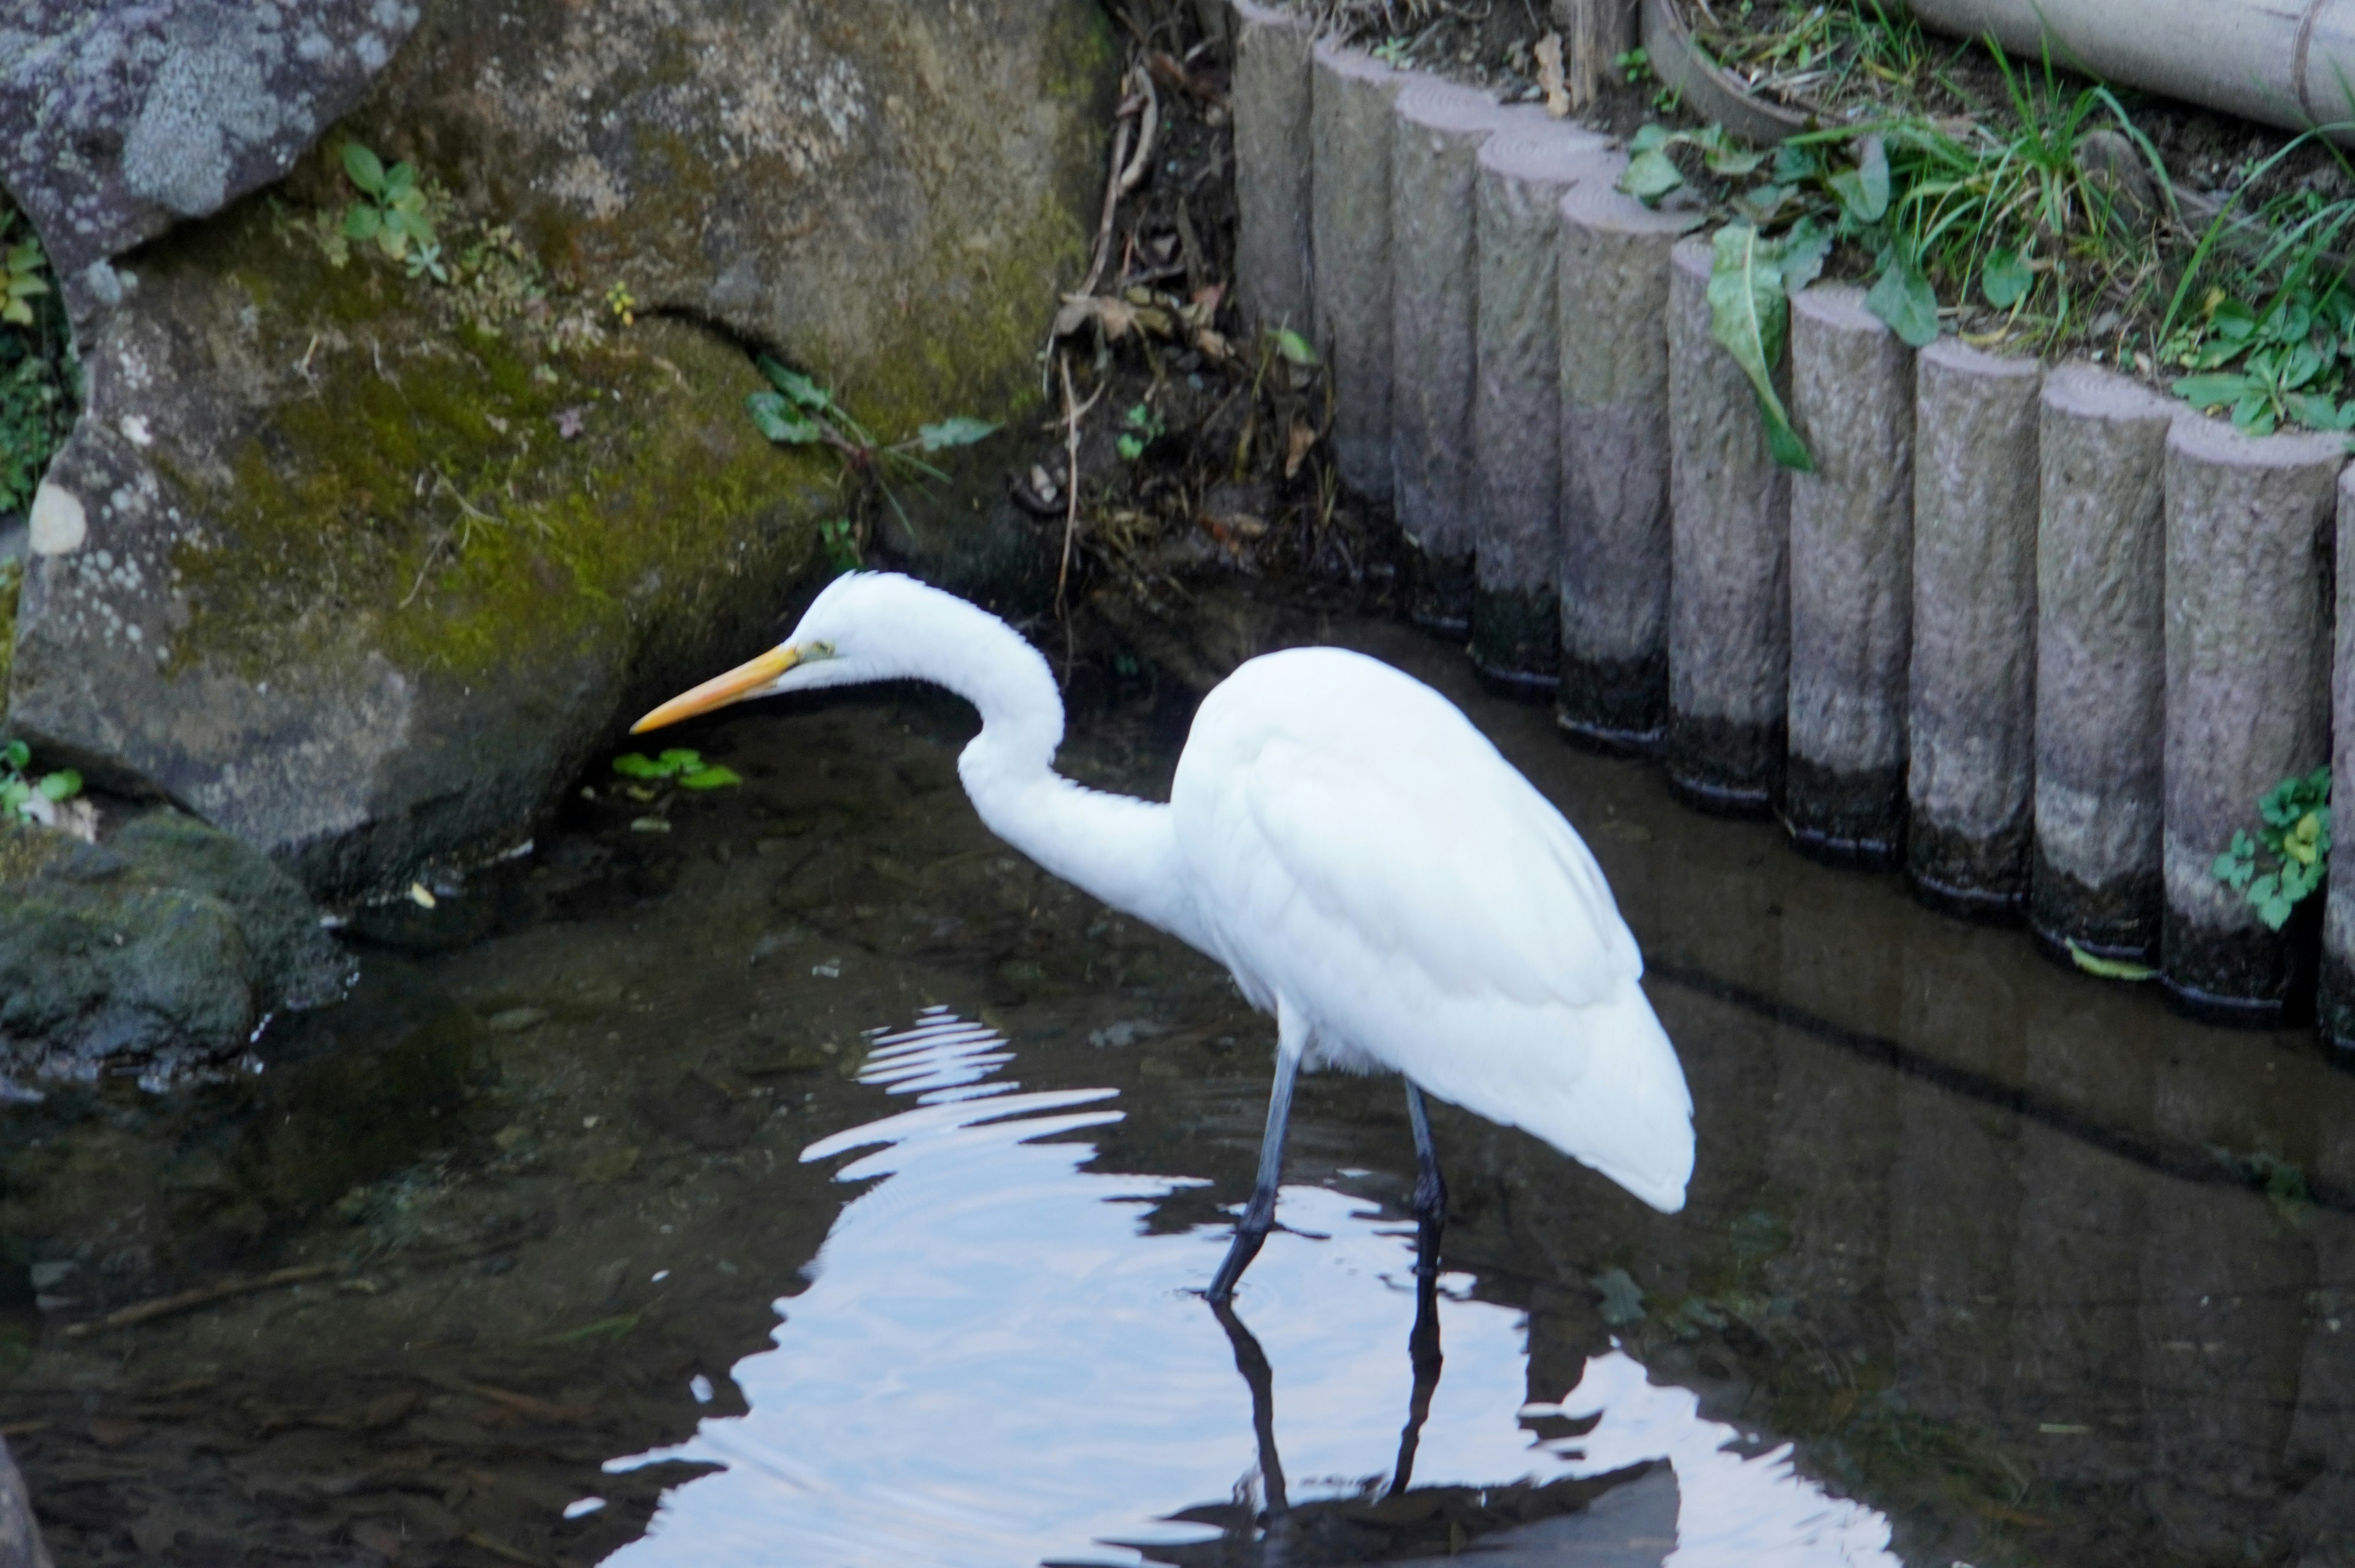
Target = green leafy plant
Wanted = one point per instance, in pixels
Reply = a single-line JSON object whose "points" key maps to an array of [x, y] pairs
{"points": [[21, 265], [1141, 427], [1395, 52], [1635, 67], [28, 797], [391, 212], [38, 383], [2286, 861], [679, 765], [1751, 282], [840, 537], [798, 410], [2014, 215]]}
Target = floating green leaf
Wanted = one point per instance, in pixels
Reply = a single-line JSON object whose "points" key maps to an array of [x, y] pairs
{"points": [[613, 1327], [2110, 968], [711, 777], [1750, 315]]}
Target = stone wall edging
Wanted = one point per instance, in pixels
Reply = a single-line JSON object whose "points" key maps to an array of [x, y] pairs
{"points": [[2042, 635]]}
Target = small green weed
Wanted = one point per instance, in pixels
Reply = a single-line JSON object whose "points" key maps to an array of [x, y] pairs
{"points": [[1141, 427], [840, 537], [2288, 858], [1395, 52], [799, 411], [679, 765], [1635, 67], [28, 797], [391, 212]]}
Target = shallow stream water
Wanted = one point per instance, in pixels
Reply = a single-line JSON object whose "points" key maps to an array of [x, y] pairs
{"points": [[814, 1182]]}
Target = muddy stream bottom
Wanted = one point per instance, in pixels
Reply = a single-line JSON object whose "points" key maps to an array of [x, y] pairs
{"points": [[817, 1182]]}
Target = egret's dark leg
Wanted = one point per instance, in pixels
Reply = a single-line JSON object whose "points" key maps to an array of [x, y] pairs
{"points": [[1423, 1340], [1251, 1361], [1421, 1350], [1429, 1191], [1259, 1217]]}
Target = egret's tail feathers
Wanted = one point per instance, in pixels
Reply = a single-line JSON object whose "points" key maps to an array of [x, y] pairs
{"points": [[1601, 1083]]}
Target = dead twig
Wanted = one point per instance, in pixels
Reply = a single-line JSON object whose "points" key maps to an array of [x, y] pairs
{"points": [[1130, 108], [1149, 128], [1073, 412], [204, 1295]]}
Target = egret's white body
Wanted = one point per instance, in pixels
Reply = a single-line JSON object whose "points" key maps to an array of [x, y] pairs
{"points": [[1343, 839]]}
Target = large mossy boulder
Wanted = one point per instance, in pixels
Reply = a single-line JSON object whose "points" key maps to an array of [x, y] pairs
{"points": [[362, 566], [163, 948]]}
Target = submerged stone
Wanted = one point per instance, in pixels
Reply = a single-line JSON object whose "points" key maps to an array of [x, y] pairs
{"points": [[163, 948]]}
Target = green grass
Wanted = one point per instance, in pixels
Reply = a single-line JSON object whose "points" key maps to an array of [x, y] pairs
{"points": [[2043, 219]]}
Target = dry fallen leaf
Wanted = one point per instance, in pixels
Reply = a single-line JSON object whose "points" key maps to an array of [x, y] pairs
{"points": [[1304, 436], [1551, 77]]}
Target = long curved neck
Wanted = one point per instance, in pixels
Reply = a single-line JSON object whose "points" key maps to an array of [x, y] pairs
{"points": [[1119, 849]]}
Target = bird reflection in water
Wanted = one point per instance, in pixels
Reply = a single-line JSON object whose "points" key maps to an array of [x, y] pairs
{"points": [[995, 1363]]}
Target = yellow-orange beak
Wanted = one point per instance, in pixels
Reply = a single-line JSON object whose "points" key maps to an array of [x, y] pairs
{"points": [[721, 689]]}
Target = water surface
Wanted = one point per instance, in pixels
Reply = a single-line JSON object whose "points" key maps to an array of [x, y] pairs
{"points": [[2021, 1268]]}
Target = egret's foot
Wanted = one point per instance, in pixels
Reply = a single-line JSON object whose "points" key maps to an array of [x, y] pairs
{"points": [[1248, 1239]]}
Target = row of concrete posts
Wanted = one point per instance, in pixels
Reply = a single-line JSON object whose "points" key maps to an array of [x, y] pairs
{"points": [[2039, 635]]}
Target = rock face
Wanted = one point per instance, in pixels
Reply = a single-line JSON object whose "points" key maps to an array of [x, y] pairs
{"points": [[163, 948], [118, 118], [361, 566]]}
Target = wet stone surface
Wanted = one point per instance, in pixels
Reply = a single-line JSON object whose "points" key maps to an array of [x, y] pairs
{"points": [[2029, 1270]]}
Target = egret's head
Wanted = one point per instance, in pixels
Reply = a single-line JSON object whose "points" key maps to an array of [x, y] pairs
{"points": [[867, 625]]}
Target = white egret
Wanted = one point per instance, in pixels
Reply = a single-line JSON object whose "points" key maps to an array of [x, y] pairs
{"points": [[1338, 835]]}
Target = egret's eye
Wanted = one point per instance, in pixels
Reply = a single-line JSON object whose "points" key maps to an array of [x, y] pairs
{"points": [[821, 650]]}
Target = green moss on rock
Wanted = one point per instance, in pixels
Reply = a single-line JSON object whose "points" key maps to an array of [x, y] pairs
{"points": [[487, 494]]}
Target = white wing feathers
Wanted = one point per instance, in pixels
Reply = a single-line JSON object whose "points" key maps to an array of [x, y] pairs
{"points": [[1364, 853]]}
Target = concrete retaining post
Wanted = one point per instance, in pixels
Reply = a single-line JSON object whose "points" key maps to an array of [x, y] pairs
{"points": [[1271, 93], [1516, 406], [2337, 1003], [1971, 720], [1616, 543], [2100, 664], [1729, 605], [1350, 229], [2248, 691], [1851, 580], [1435, 265]]}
